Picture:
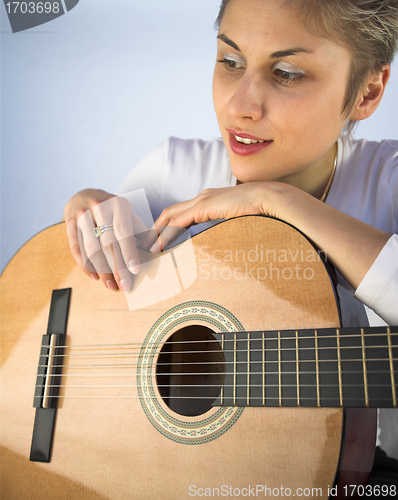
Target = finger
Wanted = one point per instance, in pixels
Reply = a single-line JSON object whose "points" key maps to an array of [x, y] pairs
{"points": [[123, 226], [168, 235], [121, 276], [109, 263], [173, 224], [92, 253], [115, 214], [148, 238], [165, 229], [77, 249]]}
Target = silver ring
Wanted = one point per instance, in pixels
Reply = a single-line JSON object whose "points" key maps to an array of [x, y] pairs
{"points": [[99, 230]]}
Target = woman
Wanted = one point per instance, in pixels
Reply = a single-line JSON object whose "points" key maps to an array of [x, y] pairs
{"points": [[290, 78]]}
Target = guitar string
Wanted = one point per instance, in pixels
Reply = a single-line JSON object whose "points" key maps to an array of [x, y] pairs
{"points": [[214, 363], [138, 345], [386, 400], [207, 341], [216, 374], [219, 351], [120, 375], [216, 385], [221, 363], [203, 363], [378, 402], [206, 363], [213, 397], [352, 399], [207, 386]]}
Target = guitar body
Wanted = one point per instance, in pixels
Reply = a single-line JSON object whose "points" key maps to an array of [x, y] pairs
{"points": [[125, 442]]}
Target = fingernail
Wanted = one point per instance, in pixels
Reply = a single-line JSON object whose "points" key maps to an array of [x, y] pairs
{"points": [[155, 248], [94, 276], [125, 285], [134, 266], [111, 285]]}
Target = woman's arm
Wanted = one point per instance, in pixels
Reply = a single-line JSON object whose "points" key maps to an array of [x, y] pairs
{"points": [[351, 245]]}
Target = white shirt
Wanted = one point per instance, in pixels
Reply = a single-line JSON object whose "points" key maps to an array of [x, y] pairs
{"points": [[365, 186]]}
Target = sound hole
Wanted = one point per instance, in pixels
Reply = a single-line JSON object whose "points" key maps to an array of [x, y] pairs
{"points": [[190, 370]]}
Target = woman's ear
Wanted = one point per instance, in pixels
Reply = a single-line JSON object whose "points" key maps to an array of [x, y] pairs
{"points": [[371, 93]]}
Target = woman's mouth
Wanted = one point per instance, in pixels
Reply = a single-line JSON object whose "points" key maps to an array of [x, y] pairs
{"points": [[244, 145]]}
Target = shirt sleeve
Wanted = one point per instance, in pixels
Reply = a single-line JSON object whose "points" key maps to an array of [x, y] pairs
{"points": [[379, 288]]}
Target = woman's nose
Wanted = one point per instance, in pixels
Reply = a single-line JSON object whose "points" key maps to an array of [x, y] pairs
{"points": [[248, 99]]}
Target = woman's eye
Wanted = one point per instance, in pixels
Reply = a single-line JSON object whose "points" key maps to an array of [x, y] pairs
{"points": [[231, 64], [286, 77]]}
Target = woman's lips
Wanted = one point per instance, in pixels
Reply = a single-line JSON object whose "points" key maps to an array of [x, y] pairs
{"points": [[242, 149]]}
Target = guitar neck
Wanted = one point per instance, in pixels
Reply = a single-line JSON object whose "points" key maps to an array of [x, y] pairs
{"points": [[345, 367]]}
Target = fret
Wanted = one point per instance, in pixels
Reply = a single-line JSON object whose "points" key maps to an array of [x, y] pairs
{"points": [[271, 365], [279, 368], [352, 367], [297, 370], [324, 367], [263, 359], [288, 368], [308, 394], [318, 399], [365, 378], [256, 392], [248, 370], [390, 356], [378, 367], [328, 367], [339, 367], [234, 392], [241, 369], [394, 343], [226, 397]]}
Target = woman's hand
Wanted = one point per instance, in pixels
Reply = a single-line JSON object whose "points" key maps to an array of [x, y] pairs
{"points": [[350, 245], [113, 256], [212, 204]]}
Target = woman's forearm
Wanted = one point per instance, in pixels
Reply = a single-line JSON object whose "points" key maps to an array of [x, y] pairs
{"points": [[351, 245]]}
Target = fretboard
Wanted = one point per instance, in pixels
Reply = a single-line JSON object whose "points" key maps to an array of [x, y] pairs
{"points": [[347, 367]]}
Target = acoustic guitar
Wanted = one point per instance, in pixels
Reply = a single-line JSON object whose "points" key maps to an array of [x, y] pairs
{"points": [[225, 372]]}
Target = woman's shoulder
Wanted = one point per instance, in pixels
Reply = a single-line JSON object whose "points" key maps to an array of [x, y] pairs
{"points": [[374, 163], [366, 181], [369, 165], [372, 153]]}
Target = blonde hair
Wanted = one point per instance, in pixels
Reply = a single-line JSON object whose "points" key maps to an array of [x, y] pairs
{"points": [[367, 28]]}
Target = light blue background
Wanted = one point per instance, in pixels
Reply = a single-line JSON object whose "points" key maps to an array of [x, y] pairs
{"points": [[85, 96]]}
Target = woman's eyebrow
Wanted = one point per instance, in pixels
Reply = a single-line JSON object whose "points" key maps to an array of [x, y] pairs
{"points": [[229, 42], [274, 55], [290, 52]]}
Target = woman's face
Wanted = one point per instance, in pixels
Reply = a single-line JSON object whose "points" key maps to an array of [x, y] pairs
{"points": [[276, 82]]}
